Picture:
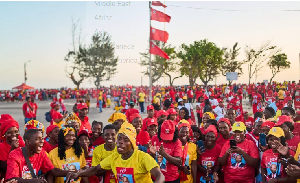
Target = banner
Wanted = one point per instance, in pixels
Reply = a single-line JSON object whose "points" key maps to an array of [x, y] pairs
{"points": [[231, 76]]}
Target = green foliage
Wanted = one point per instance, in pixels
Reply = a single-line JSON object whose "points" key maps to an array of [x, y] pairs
{"points": [[160, 66], [201, 59], [277, 63], [231, 64]]}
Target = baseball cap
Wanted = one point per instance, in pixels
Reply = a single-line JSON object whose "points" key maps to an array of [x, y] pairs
{"points": [[150, 107], [277, 132], [150, 122], [275, 94], [184, 97], [83, 131], [180, 100], [167, 130], [162, 112], [53, 104], [240, 126], [269, 124], [171, 111], [82, 106], [282, 119]]}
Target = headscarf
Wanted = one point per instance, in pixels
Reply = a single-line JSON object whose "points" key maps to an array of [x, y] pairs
{"points": [[50, 128], [129, 131], [211, 128], [7, 125], [72, 118], [116, 116], [35, 124], [67, 129], [5, 117], [225, 120], [133, 116], [211, 115]]}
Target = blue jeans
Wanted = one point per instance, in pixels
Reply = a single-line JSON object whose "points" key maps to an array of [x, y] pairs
{"points": [[100, 106], [142, 107], [27, 119]]}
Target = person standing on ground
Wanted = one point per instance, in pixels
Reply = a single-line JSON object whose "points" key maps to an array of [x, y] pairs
{"points": [[142, 100], [100, 99], [28, 109], [88, 100]]}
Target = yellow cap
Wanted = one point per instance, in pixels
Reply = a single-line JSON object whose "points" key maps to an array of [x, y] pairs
{"points": [[240, 126], [184, 97], [276, 131], [211, 115]]}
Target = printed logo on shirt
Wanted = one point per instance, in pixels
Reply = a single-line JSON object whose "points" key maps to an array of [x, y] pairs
{"points": [[273, 170], [162, 162], [71, 167], [125, 175], [26, 172], [237, 161]]}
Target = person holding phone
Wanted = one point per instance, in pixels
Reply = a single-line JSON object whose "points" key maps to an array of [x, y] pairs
{"points": [[207, 162], [271, 166], [237, 152], [188, 169]]}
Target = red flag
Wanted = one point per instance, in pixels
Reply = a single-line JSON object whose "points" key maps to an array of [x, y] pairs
{"points": [[155, 50], [159, 16], [158, 3], [158, 35]]}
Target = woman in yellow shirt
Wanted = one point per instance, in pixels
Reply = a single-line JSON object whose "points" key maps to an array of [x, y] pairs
{"points": [[68, 155], [128, 163]]}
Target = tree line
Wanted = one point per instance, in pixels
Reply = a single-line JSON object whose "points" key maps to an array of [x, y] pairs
{"points": [[201, 59]]}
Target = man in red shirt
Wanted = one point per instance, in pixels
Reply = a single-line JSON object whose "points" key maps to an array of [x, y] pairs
{"points": [[28, 110], [131, 111], [256, 101], [16, 164], [190, 95], [82, 115], [150, 112]]}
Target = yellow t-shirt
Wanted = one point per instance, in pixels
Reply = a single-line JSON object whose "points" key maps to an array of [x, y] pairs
{"points": [[72, 162], [100, 154], [142, 97], [191, 155], [135, 169], [278, 113], [280, 94], [297, 158], [100, 96]]}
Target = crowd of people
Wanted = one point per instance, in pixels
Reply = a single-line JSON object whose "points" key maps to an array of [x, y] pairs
{"points": [[191, 134]]}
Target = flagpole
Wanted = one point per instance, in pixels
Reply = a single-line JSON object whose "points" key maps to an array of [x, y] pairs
{"points": [[150, 74]]}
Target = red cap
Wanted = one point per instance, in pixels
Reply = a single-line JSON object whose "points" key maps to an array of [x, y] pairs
{"points": [[171, 106], [288, 98], [53, 104], [167, 130], [135, 115], [84, 131], [211, 128], [171, 111], [220, 100], [5, 117], [226, 120], [150, 107], [275, 94], [50, 128], [81, 106], [151, 121], [269, 124], [282, 119], [162, 112]]}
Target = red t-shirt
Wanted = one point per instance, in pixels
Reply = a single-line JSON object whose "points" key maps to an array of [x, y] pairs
{"points": [[130, 112], [35, 107], [256, 102], [48, 147], [85, 124], [17, 167], [174, 149], [250, 137], [55, 115], [5, 149], [28, 111], [293, 143], [98, 142], [210, 158], [239, 171], [269, 161], [221, 141], [142, 138]]}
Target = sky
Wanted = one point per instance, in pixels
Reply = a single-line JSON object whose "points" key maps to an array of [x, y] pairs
{"points": [[41, 32]]}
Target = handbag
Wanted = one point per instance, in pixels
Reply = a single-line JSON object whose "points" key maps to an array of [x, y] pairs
{"points": [[33, 175]]}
